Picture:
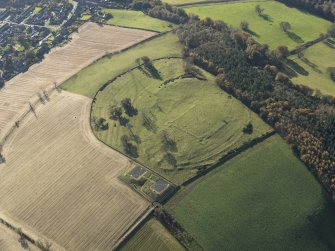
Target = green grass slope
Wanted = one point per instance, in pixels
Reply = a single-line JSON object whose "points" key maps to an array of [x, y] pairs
{"points": [[88, 81], [263, 199], [305, 27], [203, 121], [311, 69], [137, 19], [152, 237]]}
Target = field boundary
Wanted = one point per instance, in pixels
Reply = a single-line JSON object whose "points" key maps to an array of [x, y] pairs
{"points": [[132, 230], [143, 29], [14, 229], [217, 2], [230, 156], [308, 44], [35, 100]]}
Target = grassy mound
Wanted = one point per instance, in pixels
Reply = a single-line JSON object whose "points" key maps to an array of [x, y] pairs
{"points": [[137, 19], [180, 124], [263, 199], [266, 28]]}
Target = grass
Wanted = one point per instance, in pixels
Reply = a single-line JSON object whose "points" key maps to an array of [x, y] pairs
{"points": [[37, 9], [137, 19], [152, 236], [263, 199], [202, 122], [311, 69], [85, 17], [88, 81], [305, 27]]}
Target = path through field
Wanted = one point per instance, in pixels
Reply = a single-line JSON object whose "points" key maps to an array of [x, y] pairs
{"points": [[90, 43], [60, 183]]}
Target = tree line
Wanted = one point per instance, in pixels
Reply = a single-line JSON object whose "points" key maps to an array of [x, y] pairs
{"points": [[251, 72], [160, 10], [322, 8]]}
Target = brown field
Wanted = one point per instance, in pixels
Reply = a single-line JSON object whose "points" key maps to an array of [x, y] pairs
{"points": [[90, 43], [9, 241], [60, 183]]}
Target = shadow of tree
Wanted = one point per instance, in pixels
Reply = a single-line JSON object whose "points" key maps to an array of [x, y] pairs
{"points": [[266, 17], [297, 68], [320, 224], [311, 64], [251, 32], [329, 44], [294, 37]]}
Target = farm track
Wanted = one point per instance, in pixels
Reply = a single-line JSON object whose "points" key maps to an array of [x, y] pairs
{"points": [[89, 44], [60, 183]]}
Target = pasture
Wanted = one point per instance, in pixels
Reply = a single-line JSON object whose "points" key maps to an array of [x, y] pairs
{"points": [[263, 199], [181, 125], [59, 183], [90, 43], [311, 68], [137, 19], [151, 237], [266, 28], [88, 81]]}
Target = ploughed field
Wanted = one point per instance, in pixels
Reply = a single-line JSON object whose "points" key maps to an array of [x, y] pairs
{"points": [[60, 183], [181, 124], [90, 43]]}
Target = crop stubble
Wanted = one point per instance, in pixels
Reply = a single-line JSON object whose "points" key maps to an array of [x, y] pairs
{"points": [[60, 182]]}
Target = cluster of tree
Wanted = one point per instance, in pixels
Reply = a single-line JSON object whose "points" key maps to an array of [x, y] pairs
{"points": [[116, 111], [246, 70], [100, 124], [158, 9], [248, 129], [322, 8], [149, 66], [128, 146]]}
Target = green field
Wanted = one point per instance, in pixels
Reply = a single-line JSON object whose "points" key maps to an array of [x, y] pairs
{"points": [[137, 19], [176, 2], [305, 27], [152, 237], [311, 69], [85, 17], [263, 199], [203, 121], [88, 81]]}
